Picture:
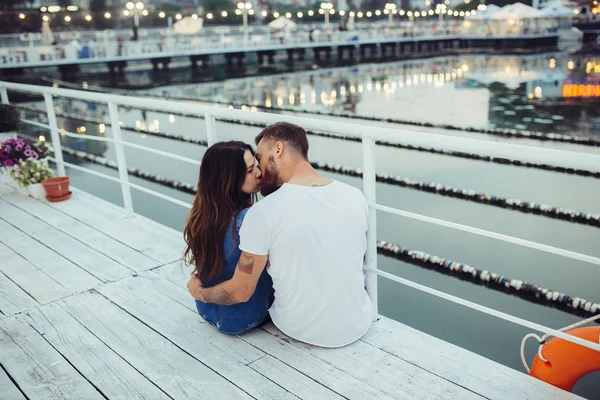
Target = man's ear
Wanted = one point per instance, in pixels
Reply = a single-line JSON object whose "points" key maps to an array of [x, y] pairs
{"points": [[278, 148]]}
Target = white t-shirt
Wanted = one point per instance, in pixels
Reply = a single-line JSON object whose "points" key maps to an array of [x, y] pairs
{"points": [[316, 241]]}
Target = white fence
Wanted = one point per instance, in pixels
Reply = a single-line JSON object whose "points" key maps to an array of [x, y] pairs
{"points": [[167, 44], [368, 136]]}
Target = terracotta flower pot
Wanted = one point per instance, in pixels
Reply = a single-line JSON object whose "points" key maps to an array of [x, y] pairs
{"points": [[57, 187]]}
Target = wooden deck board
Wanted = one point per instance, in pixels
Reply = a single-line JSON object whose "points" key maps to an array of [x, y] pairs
{"points": [[136, 232], [176, 272], [102, 243], [27, 277], [63, 271], [315, 368], [171, 369], [293, 381], [87, 258], [8, 389], [105, 369], [227, 355], [13, 299], [393, 376], [140, 337], [468, 369], [40, 371]]}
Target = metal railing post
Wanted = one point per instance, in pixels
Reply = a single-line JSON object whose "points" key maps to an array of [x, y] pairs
{"points": [[211, 129], [58, 156], [4, 95], [368, 154], [120, 151]]}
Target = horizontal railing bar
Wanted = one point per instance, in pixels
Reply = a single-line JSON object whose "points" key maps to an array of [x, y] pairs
{"points": [[133, 185], [496, 149], [128, 144], [67, 133], [160, 152], [482, 232], [487, 310]]}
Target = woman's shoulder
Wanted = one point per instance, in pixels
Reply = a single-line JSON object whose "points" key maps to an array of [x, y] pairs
{"points": [[240, 218]]}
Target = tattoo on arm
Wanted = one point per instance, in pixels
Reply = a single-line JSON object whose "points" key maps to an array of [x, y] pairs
{"points": [[246, 263], [219, 296]]}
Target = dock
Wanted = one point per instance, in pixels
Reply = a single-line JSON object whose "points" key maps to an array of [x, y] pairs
{"points": [[93, 305], [263, 49]]}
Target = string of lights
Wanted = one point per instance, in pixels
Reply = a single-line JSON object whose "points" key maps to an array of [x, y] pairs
{"points": [[74, 11]]}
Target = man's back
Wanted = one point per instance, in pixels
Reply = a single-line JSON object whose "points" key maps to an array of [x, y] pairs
{"points": [[316, 241]]}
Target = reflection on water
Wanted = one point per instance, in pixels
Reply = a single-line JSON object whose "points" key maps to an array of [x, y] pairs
{"points": [[543, 92]]}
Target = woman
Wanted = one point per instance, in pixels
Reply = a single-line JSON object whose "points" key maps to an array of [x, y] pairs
{"points": [[227, 186]]}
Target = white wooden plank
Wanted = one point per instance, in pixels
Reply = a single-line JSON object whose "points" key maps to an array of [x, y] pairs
{"points": [[140, 292], [5, 189], [53, 264], [12, 298], [177, 272], [227, 355], [8, 389], [110, 247], [28, 277], [39, 370], [104, 368], [147, 221], [325, 374], [387, 373], [87, 258], [293, 381], [174, 371], [458, 365], [171, 283], [136, 232], [150, 223]]}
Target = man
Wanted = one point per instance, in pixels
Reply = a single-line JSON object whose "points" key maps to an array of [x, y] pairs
{"points": [[312, 231]]}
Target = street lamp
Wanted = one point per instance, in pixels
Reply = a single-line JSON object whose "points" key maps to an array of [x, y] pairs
{"points": [[245, 7], [136, 9], [389, 9], [326, 7], [440, 9]]}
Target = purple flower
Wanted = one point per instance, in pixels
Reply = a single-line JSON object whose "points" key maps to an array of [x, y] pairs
{"points": [[9, 163], [34, 155], [28, 152], [4, 154]]}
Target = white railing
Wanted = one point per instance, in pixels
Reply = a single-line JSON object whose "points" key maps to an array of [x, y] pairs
{"points": [[174, 46], [368, 134], [107, 50]]}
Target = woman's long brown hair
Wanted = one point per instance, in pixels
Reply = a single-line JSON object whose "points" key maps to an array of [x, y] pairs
{"points": [[218, 200]]}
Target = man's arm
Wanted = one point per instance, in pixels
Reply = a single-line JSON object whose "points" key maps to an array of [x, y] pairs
{"points": [[238, 289]]}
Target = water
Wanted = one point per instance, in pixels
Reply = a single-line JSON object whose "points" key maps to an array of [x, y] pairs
{"points": [[521, 92], [463, 101]]}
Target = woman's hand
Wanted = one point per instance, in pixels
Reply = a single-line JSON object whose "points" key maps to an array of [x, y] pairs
{"points": [[194, 286]]}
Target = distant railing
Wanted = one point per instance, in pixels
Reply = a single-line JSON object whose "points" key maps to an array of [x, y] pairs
{"points": [[113, 46], [368, 137], [171, 45]]}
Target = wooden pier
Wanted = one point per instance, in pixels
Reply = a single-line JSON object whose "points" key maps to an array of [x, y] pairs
{"points": [[93, 305]]}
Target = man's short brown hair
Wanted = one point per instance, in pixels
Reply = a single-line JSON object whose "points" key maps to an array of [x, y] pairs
{"points": [[292, 135]]}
